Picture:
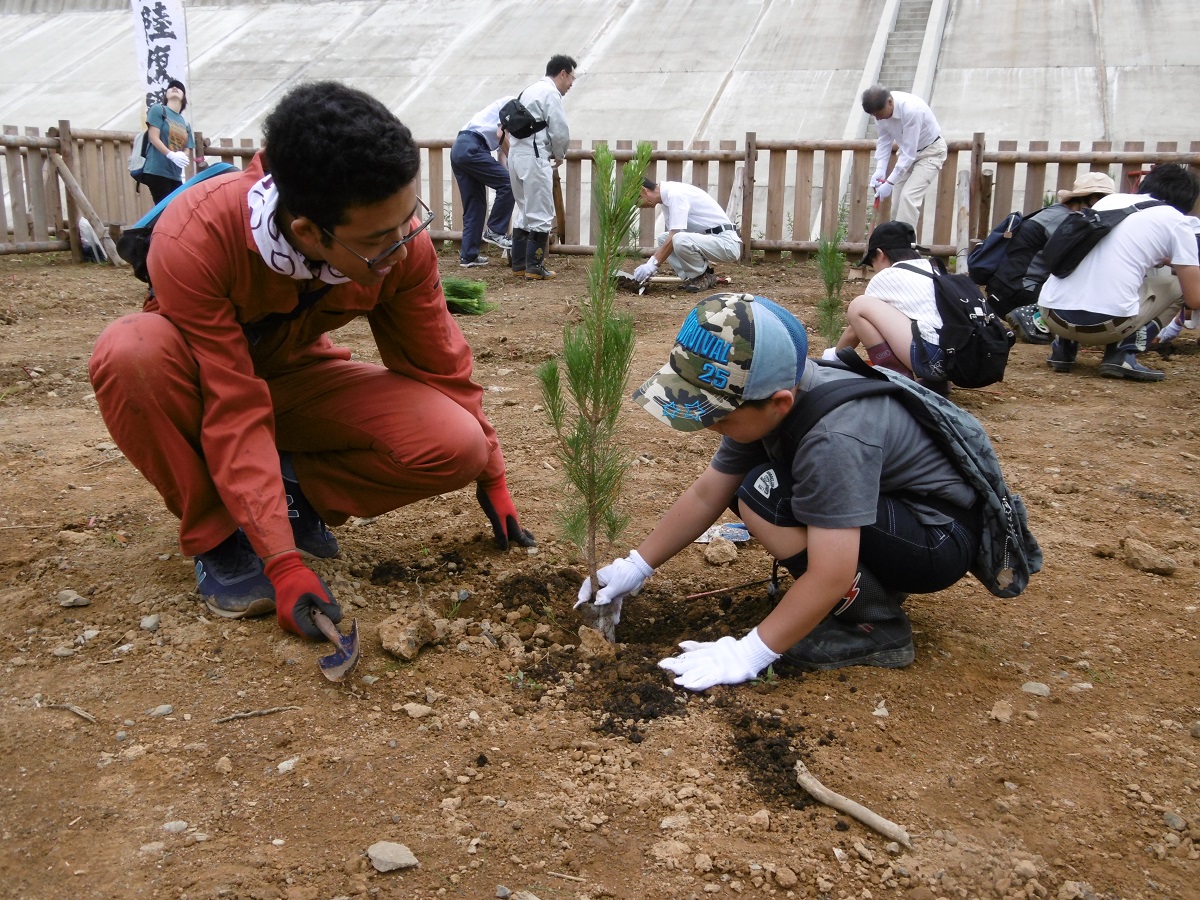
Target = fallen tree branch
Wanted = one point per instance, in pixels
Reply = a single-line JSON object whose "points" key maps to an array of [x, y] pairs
{"points": [[71, 707], [253, 713], [872, 820]]}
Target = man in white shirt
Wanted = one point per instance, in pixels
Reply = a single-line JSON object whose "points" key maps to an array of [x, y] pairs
{"points": [[698, 232], [907, 121], [531, 164], [476, 169], [1115, 296]]}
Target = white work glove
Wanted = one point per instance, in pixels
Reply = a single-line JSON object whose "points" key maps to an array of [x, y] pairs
{"points": [[621, 578], [726, 661], [179, 158], [883, 190], [879, 177], [831, 353], [643, 272]]}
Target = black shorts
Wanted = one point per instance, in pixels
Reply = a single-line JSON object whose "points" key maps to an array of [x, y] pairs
{"points": [[903, 553]]}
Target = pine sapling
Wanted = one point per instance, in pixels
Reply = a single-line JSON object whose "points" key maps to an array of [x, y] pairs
{"points": [[583, 408]]}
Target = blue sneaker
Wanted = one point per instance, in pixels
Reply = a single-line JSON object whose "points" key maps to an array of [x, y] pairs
{"points": [[308, 529], [231, 579]]}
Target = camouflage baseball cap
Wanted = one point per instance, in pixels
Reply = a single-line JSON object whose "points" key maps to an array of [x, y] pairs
{"points": [[731, 348]]}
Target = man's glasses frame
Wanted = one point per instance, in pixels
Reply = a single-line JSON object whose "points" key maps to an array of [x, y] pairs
{"points": [[377, 259]]}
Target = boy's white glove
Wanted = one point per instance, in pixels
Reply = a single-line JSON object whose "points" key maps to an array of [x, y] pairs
{"points": [[179, 158], [621, 578], [646, 270], [727, 661], [831, 353], [883, 190]]}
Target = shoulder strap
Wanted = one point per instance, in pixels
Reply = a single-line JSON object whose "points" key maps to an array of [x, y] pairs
{"points": [[215, 169], [824, 398], [901, 265]]}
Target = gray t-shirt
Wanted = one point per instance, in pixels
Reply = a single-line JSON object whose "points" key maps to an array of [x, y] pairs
{"points": [[857, 452]]}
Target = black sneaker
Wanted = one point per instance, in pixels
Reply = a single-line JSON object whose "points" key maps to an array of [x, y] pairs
{"points": [[308, 529], [834, 644], [231, 579], [1125, 365], [1026, 323]]}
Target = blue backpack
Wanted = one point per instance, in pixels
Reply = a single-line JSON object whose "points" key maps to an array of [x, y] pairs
{"points": [[133, 245], [987, 258]]}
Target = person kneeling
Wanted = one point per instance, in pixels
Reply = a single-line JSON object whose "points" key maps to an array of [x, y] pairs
{"points": [[863, 509]]}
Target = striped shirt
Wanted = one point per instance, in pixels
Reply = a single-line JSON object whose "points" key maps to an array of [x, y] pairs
{"points": [[911, 293]]}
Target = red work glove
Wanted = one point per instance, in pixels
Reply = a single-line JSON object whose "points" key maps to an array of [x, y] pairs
{"points": [[498, 505], [298, 592]]}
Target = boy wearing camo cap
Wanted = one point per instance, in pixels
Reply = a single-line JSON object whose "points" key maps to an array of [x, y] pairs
{"points": [[862, 510]]}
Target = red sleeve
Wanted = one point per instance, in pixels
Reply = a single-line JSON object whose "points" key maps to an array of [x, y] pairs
{"points": [[192, 283], [418, 337]]}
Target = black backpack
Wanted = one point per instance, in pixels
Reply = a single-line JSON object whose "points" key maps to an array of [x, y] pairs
{"points": [[1008, 552], [133, 245], [1080, 232], [518, 121], [990, 255], [974, 340]]}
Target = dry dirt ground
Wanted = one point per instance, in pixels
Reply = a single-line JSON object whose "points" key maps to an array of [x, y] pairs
{"points": [[538, 768]]}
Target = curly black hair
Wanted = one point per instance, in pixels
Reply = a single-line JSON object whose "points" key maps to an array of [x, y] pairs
{"points": [[331, 147], [1173, 184]]}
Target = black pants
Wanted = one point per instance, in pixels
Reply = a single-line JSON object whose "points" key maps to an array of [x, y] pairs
{"points": [[159, 185], [904, 554]]}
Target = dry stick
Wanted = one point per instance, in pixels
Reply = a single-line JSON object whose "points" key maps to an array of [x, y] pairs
{"points": [[254, 713], [85, 206], [7, 527], [844, 804], [70, 707], [568, 877], [726, 590]]}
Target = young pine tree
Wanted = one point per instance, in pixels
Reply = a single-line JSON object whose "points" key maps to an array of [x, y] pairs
{"points": [[597, 352]]}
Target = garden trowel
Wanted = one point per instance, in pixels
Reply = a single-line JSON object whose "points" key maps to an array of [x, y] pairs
{"points": [[337, 665]]}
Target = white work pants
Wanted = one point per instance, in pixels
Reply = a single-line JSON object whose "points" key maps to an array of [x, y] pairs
{"points": [[691, 252], [533, 188], [909, 192]]}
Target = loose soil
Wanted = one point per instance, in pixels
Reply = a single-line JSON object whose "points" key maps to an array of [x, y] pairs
{"points": [[541, 767]]}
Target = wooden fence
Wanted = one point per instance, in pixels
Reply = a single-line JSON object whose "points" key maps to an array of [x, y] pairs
{"points": [[784, 195]]}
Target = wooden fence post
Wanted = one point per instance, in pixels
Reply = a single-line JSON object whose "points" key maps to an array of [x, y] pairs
{"points": [[963, 231], [748, 194], [978, 226], [66, 149]]}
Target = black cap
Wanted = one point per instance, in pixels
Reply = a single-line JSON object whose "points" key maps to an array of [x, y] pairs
{"points": [[175, 82], [890, 236]]}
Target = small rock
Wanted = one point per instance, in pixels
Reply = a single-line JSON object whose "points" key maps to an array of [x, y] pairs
{"points": [[720, 552], [63, 652], [761, 821], [69, 598], [824, 885], [1036, 688], [671, 823], [287, 765], [153, 847], [702, 862], [502, 892], [892, 848], [150, 623], [1025, 869], [224, 765], [416, 710], [1196, 729], [386, 856], [404, 636], [1141, 556], [881, 710], [785, 877], [1174, 821], [159, 711], [74, 537], [863, 853], [178, 826], [669, 850], [1002, 711], [1080, 686]]}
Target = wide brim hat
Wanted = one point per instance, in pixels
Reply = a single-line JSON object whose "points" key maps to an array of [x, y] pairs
{"points": [[1086, 185]]}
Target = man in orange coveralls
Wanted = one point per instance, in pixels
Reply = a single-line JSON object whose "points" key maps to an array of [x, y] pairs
{"points": [[228, 395]]}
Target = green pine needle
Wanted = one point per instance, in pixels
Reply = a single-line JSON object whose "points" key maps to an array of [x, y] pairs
{"points": [[466, 296]]}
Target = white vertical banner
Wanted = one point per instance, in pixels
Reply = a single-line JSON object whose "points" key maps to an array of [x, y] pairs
{"points": [[160, 39]]}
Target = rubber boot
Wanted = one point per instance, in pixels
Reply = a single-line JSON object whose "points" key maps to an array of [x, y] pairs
{"points": [[535, 256], [1062, 354], [516, 255], [1120, 359], [881, 355], [868, 627]]}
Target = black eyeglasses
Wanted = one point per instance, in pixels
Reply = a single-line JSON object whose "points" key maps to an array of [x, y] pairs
{"points": [[375, 260]]}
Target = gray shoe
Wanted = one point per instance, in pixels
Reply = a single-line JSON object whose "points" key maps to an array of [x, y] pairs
{"points": [[479, 260], [1126, 366], [498, 240]]}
